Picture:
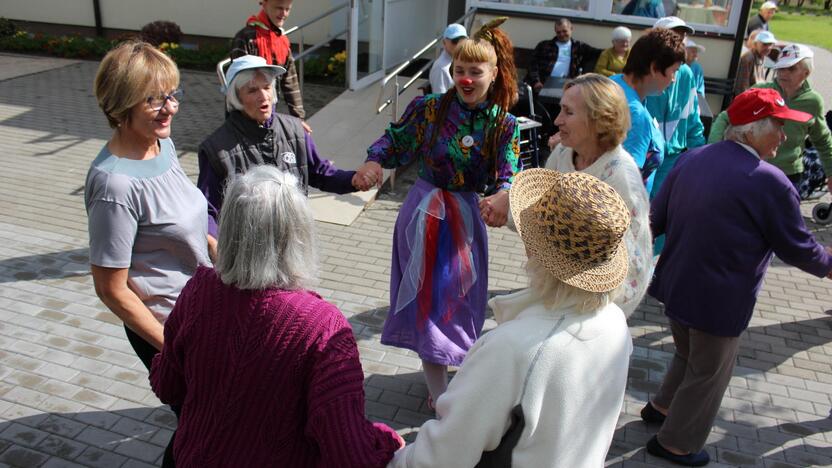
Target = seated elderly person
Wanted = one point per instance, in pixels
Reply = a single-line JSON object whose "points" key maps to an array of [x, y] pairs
{"points": [[793, 68], [253, 134], [266, 372], [750, 69], [545, 387], [725, 211], [612, 60], [561, 57], [593, 123], [646, 8]]}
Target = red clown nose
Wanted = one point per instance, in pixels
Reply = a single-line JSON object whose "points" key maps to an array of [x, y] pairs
{"points": [[466, 82]]}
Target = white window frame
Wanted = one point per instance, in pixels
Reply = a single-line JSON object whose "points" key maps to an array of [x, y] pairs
{"points": [[601, 10]]}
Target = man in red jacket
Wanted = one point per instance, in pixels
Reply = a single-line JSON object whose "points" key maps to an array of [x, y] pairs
{"points": [[263, 36]]}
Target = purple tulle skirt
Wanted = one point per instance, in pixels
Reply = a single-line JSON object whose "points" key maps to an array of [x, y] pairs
{"points": [[439, 275]]}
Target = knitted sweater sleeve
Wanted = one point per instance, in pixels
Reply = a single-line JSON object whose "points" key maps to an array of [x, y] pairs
{"points": [[167, 372], [335, 402]]}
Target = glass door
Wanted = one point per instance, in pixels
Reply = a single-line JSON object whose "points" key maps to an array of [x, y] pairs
{"points": [[366, 45]]}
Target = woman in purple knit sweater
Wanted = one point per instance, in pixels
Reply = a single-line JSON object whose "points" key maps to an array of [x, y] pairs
{"points": [[267, 372]]}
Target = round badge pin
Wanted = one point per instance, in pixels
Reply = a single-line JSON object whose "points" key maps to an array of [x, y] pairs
{"points": [[467, 141]]}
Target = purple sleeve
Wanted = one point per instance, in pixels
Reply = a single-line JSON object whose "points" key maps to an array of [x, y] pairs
{"points": [[211, 187], [399, 144], [509, 159], [785, 229], [323, 175]]}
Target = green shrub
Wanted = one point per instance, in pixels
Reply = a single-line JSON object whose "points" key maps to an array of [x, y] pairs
{"points": [[80, 47], [205, 58], [7, 27], [159, 32]]}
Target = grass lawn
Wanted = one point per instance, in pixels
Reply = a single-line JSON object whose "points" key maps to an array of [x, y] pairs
{"points": [[805, 29]]}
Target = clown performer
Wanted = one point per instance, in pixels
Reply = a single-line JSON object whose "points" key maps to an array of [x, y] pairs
{"points": [[461, 139]]}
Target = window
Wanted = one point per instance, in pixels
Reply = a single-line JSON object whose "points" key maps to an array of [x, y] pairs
{"points": [[580, 5], [695, 12], [704, 15]]}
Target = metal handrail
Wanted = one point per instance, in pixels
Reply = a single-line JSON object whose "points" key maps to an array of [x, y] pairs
{"points": [[317, 18], [301, 53], [394, 75]]}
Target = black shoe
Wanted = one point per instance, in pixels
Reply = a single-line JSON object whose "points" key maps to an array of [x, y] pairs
{"points": [[650, 414], [692, 459]]}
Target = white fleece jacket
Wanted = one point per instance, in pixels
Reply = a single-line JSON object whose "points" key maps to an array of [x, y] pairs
{"points": [[573, 398]]}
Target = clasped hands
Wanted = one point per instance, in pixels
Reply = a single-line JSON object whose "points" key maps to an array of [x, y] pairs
{"points": [[368, 176], [494, 209]]}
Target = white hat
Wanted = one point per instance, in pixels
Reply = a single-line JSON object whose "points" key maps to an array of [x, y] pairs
{"points": [[671, 22], [248, 62], [790, 55], [454, 31], [620, 33], [689, 44], [766, 37], [768, 6]]}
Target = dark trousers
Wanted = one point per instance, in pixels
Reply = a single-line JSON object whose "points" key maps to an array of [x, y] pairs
{"points": [[693, 387], [145, 351]]}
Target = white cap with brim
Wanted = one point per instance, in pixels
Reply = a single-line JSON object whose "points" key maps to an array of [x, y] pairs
{"points": [[249, 62], [689, 44], [768, 6], [765, 37], [790, 55], [455, 31], [673, 22]]}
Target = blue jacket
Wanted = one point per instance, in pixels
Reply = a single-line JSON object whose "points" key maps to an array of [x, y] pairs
{"points": [[677, 111], [644, 140], [724, 213]]}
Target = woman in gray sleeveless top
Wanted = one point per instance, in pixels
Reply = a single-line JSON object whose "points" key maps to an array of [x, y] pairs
{"points": [[147, 220]]}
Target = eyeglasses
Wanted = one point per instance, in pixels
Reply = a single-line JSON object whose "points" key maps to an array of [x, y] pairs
{"points": [[456, 40], [158, 102]]}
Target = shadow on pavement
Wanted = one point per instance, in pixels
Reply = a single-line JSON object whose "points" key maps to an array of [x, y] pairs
{"points": [[53, 265], [94, 438]]}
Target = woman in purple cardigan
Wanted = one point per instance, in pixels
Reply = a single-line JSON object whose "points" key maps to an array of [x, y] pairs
{"points": [[266, 372]]}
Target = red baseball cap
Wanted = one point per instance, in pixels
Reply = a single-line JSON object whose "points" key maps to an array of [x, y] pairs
{"points": [[759, 103]]}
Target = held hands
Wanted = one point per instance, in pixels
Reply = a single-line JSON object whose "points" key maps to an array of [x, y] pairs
{"points": [[367, 176], [494, 209]]}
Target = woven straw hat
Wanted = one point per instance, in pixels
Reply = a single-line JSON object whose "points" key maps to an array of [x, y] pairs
{"points": [[573, 224]]}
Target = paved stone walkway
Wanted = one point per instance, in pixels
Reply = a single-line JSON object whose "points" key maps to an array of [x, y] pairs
{"points": [[72, 393]]}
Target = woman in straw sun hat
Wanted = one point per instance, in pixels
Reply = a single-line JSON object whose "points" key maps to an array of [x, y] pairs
{"points": [[558, 360], [593, 124]]}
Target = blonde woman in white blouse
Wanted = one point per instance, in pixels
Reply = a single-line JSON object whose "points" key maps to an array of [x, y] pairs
{"points": [[593, 122]]}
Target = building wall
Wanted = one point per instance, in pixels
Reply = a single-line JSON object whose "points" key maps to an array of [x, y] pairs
{"points": [[219, 18]]}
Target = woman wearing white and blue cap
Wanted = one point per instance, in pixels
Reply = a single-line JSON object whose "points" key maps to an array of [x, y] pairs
{"points": [[253, 134], [793, 67], [440, 72]]}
